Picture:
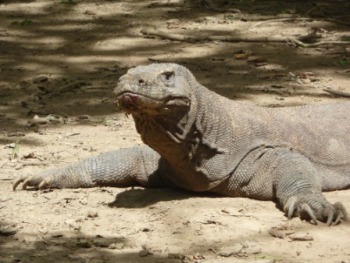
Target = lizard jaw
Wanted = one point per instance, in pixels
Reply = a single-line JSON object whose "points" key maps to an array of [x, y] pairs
{"points": [[135, 103]]}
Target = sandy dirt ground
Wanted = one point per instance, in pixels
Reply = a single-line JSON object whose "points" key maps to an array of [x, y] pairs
{"points": [[59, 61]]}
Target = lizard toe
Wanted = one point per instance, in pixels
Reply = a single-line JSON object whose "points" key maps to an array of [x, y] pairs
{"points": [[330, 216], [18, 181], [340, 213], [307, 212], [334, 214], [27, 180], [314, 208], [30, 181], [290, 207], [45, 183]]}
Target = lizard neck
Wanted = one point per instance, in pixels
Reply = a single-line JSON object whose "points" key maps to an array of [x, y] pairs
{"points": [[185, 131], [160, 132], [192, 143]]}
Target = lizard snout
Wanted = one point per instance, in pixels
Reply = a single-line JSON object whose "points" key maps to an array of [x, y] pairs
{"points": [[128, 101]]}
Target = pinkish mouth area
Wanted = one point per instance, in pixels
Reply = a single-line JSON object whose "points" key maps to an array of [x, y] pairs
{"points": [[129, 101]]}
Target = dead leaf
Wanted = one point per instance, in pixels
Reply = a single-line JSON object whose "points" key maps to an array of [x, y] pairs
{"points": [[241, 55], [301, 237], [275, 232], [257, 59]]}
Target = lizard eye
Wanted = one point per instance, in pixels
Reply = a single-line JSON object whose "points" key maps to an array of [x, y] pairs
{"points": [[168, 74], [168, 78]]}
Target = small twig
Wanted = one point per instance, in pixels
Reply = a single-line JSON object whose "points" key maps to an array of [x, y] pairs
{"points": [[309, 19], [312, 9], [70, 86], [337, 21], [175, 37], [279, 20], [337, 92], [299, 43], [31, 163], [35, 163], [250, 39]]}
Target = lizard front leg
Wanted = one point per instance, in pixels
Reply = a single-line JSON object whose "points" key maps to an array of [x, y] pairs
{"points": [[298, 187], [124, 167], [287, 177]]}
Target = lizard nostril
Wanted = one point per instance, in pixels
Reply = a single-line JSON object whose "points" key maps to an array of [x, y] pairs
{"points": [[141, 81]]}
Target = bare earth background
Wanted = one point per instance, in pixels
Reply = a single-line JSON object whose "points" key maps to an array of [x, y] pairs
{"points": [[59, 61]]}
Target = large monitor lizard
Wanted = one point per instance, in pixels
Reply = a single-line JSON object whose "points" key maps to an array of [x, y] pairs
{"points": [[201, 141]]}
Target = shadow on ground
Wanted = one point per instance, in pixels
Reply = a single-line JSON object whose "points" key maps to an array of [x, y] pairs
{"points": [[78, 247], [143, 197]]}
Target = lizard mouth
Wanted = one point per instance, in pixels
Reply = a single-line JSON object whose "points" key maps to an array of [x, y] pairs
{"points": [[136, 103]]}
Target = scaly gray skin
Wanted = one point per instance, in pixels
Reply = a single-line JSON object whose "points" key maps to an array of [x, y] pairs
{"points": [[201, 141]]}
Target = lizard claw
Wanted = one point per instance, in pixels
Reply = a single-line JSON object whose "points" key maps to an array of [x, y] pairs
{"points": [[31, 180], [314, 208], [54, 178], [25, 179], [343, 213], [27, 182], [44, 183], [330, 217], [291, 208], [17, 182], [305, 209]]}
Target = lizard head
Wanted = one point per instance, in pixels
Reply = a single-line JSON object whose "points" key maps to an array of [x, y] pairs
{"points": [[156, 89]]}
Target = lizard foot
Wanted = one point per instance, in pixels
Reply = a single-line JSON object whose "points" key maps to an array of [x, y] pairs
{"points": [[36, 181], [314, 207]]}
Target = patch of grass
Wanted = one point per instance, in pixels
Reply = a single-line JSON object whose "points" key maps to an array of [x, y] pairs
{"points": [[15, 150], [230, 17], [107, 122], [68, 2], [24, 22], [344, 62]]}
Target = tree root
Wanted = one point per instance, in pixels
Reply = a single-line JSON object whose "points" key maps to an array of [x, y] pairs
{"points": [[299, 43], [337, 21], [236, 39], [337, 92], [303, 19], [194, 39]]}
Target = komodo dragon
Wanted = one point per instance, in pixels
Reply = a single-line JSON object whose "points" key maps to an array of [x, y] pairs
{"points": [[201, 141]]}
